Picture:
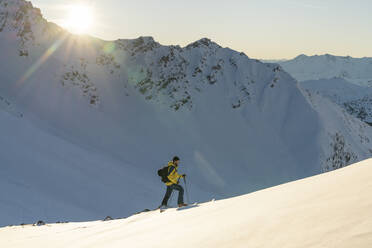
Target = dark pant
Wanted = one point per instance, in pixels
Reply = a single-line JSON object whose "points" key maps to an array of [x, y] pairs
{"points": [[169, 192]]}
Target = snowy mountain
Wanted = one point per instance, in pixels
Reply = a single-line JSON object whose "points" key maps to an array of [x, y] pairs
{"points": [[355, 99], [88, 122], [355, 70], [310, 213], [344, 80]]}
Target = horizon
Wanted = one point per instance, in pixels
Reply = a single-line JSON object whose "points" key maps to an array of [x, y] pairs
{"points": [[304, 25]]}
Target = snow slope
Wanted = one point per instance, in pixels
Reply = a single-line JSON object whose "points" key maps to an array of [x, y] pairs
{"points": [[328, 210], [355, 99], [355, 70], [343, 141], [44, 176], [89, 122], [344, 80]]}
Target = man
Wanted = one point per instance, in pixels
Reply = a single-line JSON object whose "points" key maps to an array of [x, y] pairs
{"points": [[173, 177]]}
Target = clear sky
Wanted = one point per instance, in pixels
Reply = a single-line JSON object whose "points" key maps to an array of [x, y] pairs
{"points": [[266, 29]]}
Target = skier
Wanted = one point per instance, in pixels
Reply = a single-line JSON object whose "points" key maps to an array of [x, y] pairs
{"points": [[173, 177]]}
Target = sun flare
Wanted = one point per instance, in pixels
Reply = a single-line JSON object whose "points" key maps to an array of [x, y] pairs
{"points": [[80, 19]]}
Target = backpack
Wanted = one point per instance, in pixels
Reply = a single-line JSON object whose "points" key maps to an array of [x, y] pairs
{"points": [[163, 173]]}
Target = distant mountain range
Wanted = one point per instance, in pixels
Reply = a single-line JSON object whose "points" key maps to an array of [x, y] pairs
{"points": [[344, 80], [355, 70]]}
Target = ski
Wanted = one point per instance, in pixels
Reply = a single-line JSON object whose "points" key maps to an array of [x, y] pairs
{"points": [[163, 209], [195, 204]]}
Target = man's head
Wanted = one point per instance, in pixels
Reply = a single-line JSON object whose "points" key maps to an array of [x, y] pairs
{"points": [[176, 160]]}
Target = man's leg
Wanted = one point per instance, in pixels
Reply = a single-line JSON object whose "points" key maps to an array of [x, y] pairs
{"points": [[180, 193], [166, 196]]}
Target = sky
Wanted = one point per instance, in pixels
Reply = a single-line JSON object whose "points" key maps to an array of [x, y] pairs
{"points": [[269, 29]]}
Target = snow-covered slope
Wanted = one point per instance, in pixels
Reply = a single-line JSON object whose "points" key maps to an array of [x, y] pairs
{"points": [[98, 118], [355, 99], [340, 132], [344, 80], [355, 70], [328, 210], [45, 176]]}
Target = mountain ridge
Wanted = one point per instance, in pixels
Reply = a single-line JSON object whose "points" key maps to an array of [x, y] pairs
{"points": [[355, 70]]}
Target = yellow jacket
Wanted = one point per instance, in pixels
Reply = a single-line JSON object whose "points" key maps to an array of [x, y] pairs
{"points": [[173, 175]]}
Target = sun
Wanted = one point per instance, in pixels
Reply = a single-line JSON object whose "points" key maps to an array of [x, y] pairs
{"points": [[80, 19]]}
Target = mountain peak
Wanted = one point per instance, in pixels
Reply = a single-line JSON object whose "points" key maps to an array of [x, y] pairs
{"points": [[140, 44], [203, 42], [301, 56], [26, 21], [18, 7]]}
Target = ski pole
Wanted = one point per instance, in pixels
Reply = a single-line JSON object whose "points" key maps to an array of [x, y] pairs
{"points": [[187, 193]]}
